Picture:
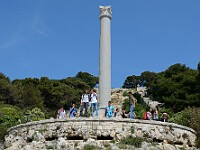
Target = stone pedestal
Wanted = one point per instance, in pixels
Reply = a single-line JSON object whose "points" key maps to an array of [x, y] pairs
{"points": [[105, 59]]}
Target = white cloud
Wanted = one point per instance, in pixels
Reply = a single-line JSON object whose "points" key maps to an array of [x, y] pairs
{"points": [[10, 43], [39, 26]]}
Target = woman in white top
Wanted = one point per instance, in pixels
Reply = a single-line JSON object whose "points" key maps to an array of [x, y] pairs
{"points": [[94, 102], [84, 103], [61, 113]]}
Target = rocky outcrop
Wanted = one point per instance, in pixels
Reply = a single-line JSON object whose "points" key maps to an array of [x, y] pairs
{"points": [[77, 132], [152, 104]]}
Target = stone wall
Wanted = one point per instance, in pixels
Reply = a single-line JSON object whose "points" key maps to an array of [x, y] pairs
{"points": [[53, 132]]}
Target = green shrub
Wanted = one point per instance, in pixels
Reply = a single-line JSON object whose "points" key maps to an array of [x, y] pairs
{"points": [[135, 141], [112, 141], [140, 110], [10, 115], [181, 148], [3, 131], [49, 147], [166, 110], [34, 115], [180, 118], [189, 117], [126, 105], [107, 146], [125, 93], [140, 107], [90, 147], [132, 129], [121, 146]]}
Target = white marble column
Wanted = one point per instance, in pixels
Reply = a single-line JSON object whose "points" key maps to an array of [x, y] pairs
{"points": [[105, 59]]}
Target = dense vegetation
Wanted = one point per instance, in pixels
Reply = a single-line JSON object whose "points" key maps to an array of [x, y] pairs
{"points": [[178, 89], [34, 99]]}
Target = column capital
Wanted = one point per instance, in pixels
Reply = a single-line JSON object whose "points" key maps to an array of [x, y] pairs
{"points": [[105, 11]]}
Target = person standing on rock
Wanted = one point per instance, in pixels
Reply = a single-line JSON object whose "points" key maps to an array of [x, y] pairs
{"points": [[61, 113], [94, 101], [72, 111], [85, 103], [132, 103]]}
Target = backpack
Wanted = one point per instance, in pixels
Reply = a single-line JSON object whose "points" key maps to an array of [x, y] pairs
{"points": [[145, 116], [89, 97]]}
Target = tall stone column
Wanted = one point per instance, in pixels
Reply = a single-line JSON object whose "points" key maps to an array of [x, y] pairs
{"points": [[105, 59]]}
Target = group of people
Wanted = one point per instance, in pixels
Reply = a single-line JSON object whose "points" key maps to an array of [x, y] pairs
{"points": [[86, 98], [62, 113], [91, 97], [154, 115]]}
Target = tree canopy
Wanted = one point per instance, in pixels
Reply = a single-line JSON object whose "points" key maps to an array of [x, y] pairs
{"points": [[44, 93], [177, 87]]}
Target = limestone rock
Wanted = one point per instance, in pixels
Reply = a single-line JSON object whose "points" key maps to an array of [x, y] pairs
{"points": [[56, 133], [61, 144]]}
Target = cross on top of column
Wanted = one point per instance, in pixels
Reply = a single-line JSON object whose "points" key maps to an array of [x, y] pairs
{"points": [[105, 11]]}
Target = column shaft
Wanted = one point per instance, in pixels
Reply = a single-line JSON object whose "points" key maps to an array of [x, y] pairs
{"points": [[105, 61]]}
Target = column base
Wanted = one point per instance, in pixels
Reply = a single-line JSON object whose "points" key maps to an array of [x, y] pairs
{"points": [[101, 113]]}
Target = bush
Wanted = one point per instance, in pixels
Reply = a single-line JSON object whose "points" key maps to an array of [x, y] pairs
{"points": [[3, 132], [135, 141], [125, 93], [189, 117], [126, 105], [166, 110], [90, 147], [10, 115], [34, 115], [140, 108], [180, 118]]}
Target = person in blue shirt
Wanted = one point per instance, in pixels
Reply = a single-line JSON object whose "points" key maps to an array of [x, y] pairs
{"points": [[72, 111], [109, 110]]}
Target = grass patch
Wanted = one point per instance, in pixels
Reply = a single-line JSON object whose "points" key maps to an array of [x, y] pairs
{"points": [[112, 141], [121, 146], [107, 146], [90, 147], [135, 141], [49, 147], [3, 131], [181, 148], [132, 129]]}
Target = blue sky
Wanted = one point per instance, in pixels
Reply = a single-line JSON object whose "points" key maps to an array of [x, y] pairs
{"points": [[59, 38]]}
